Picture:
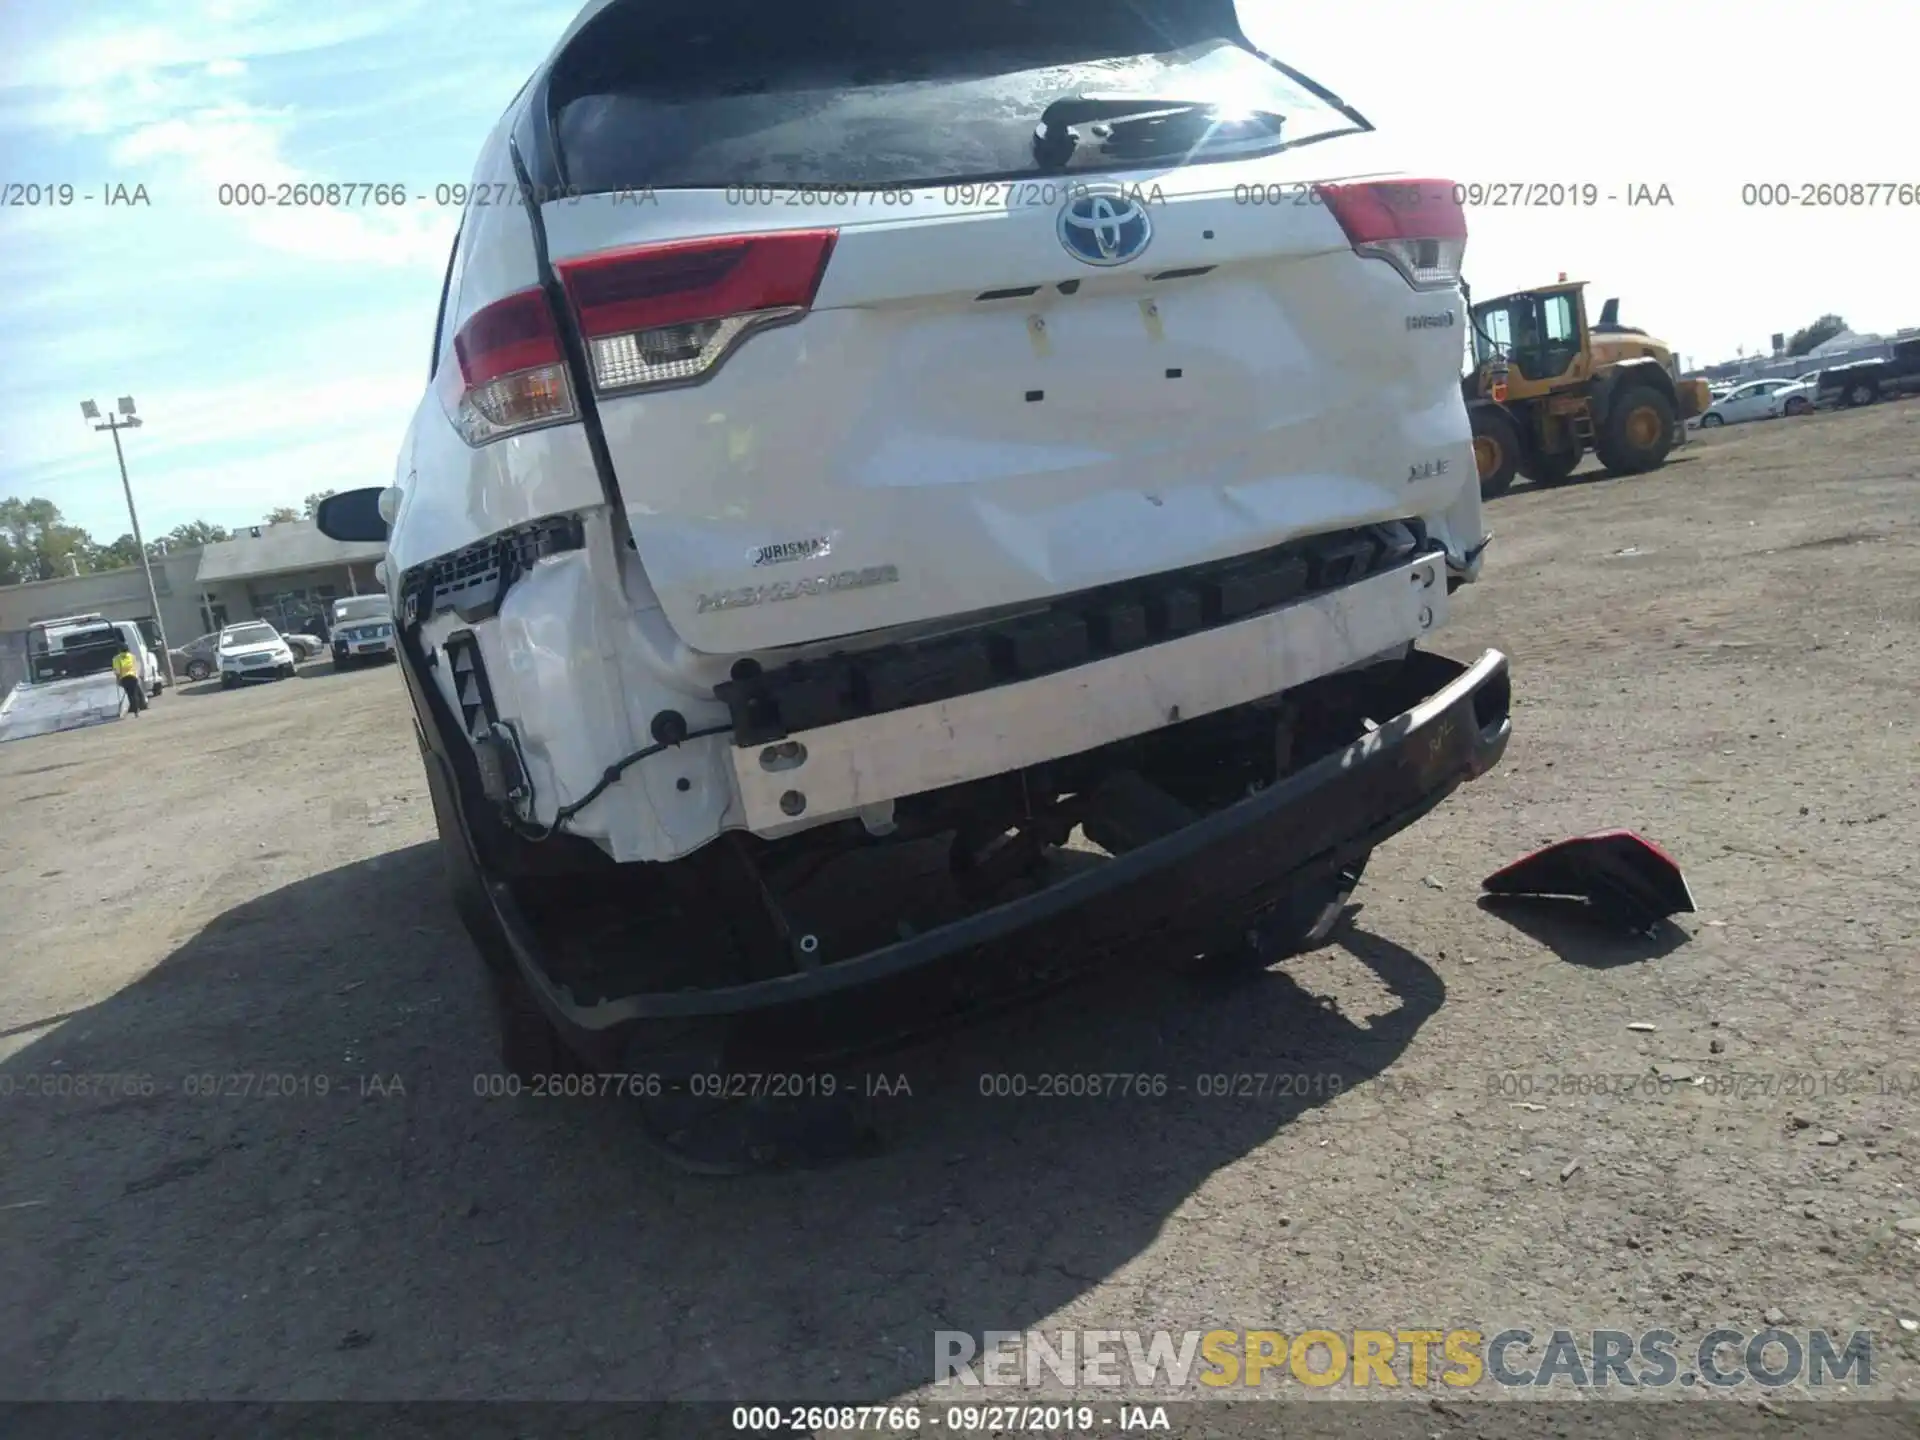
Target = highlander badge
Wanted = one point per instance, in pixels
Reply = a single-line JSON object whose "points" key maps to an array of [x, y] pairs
{"points": [[796, 589]]}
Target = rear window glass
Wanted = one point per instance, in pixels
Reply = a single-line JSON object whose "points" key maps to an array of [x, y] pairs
{"points": [[876, 93]]}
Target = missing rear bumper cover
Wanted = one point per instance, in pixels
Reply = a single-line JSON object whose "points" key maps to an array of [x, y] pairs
{"points": [[1200, 880]]}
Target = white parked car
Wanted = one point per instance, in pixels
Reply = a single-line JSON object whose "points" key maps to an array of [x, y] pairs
{"points": [[1758, 400], [253, 650], [953, 455]]}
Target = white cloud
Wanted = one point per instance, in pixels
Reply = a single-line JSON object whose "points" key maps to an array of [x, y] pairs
{"points": [[109, 45]]}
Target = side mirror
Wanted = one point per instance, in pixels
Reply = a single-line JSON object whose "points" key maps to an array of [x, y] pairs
{"points": [[353, 515]]}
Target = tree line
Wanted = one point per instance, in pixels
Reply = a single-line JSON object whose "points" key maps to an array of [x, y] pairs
{"points": [[1818, 333], [37, 542]]}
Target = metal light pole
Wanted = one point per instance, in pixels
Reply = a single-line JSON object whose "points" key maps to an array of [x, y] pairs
{"points": [[127, 420]]}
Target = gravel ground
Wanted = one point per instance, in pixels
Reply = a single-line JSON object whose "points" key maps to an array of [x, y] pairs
{"points": [[1720, 655]]}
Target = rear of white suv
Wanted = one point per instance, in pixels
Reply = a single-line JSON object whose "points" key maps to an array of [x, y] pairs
{"points": [[854, 427]]}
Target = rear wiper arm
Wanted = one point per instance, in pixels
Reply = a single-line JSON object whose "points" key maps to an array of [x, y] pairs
{"points": [[1054, 141]]}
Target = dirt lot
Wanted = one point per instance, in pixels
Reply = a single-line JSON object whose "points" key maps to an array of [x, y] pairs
{"points": [[1721, 655]]}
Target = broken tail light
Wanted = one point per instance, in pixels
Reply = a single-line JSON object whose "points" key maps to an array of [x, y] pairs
{"points": [[507, 372], [1416, 226], [669, 314]]}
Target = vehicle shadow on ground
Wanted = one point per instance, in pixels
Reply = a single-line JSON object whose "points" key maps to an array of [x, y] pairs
{"points": [[301, 1187], [1582, 933]]}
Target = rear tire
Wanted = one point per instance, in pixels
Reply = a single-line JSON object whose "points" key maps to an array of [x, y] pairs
{"points": [[198, 670], [1638, 433], [1862, 394], [1305, 920], [1551, 469], [529, 1043], [1496, 450]]}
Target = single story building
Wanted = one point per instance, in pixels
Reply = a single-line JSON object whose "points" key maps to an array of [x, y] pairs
{"points": [[281, 573]]}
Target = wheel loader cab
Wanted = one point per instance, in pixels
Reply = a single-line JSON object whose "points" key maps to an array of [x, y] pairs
{"points": [[1543, 335]]}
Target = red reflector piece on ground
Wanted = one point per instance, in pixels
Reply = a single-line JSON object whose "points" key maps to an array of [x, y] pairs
{"points": [[1613, 867]]}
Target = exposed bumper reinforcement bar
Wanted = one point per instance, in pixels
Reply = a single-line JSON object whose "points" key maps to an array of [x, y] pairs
{"points": [[1007, 727], [1197, 884]]}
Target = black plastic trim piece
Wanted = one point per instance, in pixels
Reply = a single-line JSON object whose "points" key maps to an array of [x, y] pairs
{"points": [[1071, 631], [571, 339]]}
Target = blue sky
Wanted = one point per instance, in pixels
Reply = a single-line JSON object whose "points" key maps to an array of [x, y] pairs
{"points": [[272, 353], [276, 353]]}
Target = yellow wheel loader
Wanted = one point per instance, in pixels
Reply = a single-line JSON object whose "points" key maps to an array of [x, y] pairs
{"points": [[1545, 387]]}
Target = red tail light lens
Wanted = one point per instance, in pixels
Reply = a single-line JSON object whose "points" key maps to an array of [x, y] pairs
{"points": [[507, 373], [668, 314], [1416, 226]]}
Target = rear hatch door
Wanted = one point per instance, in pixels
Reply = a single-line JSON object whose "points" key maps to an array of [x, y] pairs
{"points": [[862, 361]]}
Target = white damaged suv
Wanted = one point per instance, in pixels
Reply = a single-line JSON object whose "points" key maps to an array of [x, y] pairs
{"points": [[910, 499]]}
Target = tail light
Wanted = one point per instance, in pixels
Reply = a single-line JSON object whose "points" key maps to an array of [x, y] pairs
{"points": [[668, 314], [507, 372], [1416, 226]]}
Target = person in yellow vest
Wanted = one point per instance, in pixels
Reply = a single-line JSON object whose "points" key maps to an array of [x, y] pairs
{"points": [[123, 670]]}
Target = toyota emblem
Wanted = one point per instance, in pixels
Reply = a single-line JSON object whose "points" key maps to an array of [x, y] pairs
{"points": [[1103, 225]]}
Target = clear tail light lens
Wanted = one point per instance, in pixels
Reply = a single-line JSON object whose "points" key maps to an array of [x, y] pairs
{"points": [[507, 373], [1416, 226], [668, 314]]}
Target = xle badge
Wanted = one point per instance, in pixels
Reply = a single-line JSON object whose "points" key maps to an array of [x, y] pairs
{"points": [[1426, 470]]}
